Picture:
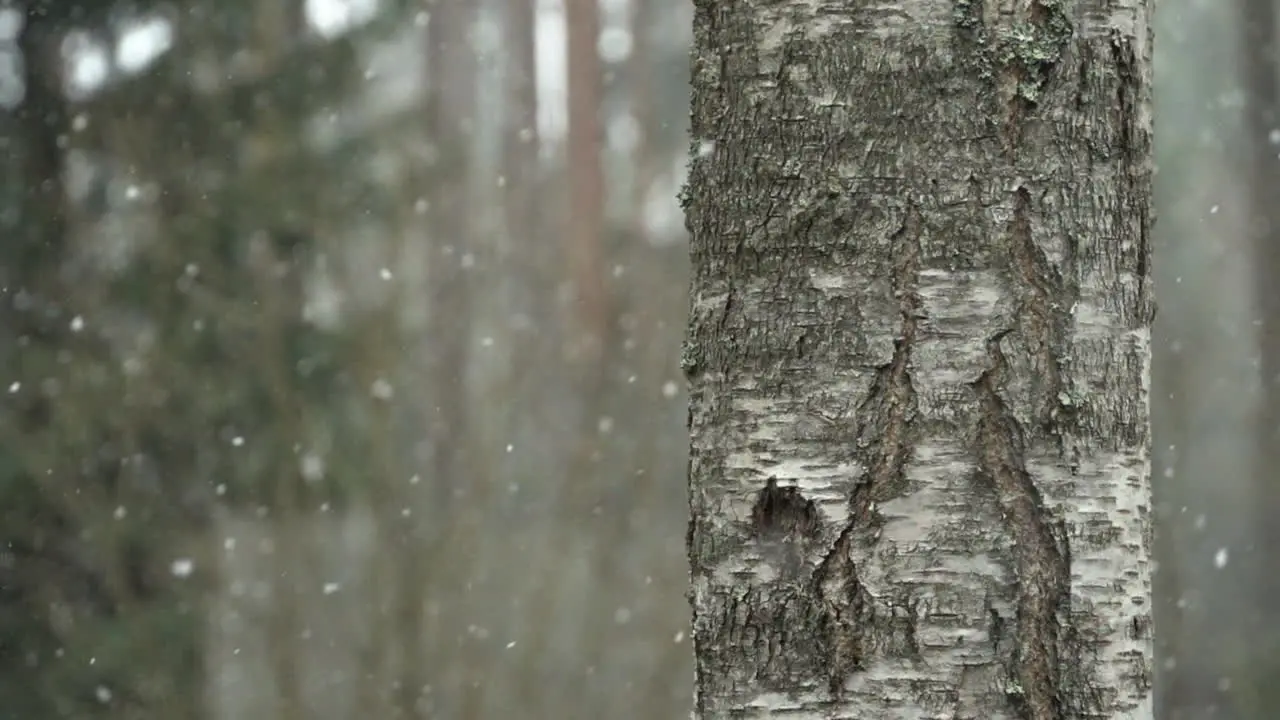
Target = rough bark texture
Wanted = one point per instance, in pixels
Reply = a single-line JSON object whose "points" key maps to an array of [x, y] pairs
{"points": [[918, 359]]}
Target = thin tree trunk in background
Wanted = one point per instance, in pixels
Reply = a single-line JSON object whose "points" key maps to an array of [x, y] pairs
{"points": [[647, 155], [278, 27], [432, 566], [587, 322], [586, 182], [35, 321], [589, 335], [921, 301], [522, 141], [42, 122], [35, 317], [524, 254], [1262, 123]]}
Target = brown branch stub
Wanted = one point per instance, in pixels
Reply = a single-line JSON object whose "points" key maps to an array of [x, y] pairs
{"points": [[783, 513], [1040, 559]]}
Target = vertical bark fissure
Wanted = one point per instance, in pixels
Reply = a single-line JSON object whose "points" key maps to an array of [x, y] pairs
{"points": [[888, 411], [1041, 568], [1041, 319], [884, 426]]}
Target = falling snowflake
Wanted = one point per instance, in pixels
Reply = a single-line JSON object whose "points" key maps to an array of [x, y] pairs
{"points": [[312, 467], [381, 389]]}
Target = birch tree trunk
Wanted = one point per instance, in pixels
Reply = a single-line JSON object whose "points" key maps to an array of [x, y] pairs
{"points": [[919, 359]]}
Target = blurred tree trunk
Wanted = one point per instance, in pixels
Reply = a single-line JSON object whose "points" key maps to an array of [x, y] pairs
{"points": [[590, 324], [520, 164], [648, 156], [1261, 145], [586, 181], [42, 122], [435, 561], [39, 587], [921, 300], [528, 274]]}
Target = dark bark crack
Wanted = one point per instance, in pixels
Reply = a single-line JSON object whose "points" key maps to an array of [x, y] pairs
{"points": [[884, 418], [1133, 138], [1042, 320], [883, 432], [1040, 558]]}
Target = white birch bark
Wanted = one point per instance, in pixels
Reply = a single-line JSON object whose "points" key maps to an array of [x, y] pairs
{"points": [[921, 302]]}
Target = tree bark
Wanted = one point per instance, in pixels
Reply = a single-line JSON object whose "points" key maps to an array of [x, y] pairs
{"points": [[919, 359]]}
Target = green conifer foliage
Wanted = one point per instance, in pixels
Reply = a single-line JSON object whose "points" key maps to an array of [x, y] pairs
{"points": [[156, 366]]}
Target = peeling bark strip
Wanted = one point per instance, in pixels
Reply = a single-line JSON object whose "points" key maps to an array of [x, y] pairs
{"points": [[918, 359]]}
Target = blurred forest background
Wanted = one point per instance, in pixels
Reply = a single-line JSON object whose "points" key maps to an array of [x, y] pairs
{"points": [[340, 349]]}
